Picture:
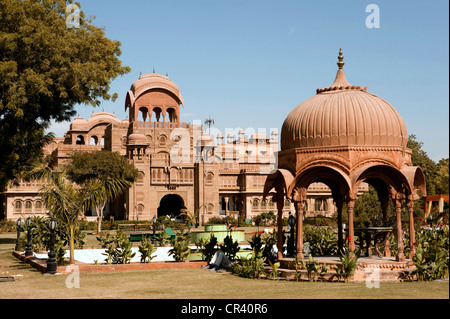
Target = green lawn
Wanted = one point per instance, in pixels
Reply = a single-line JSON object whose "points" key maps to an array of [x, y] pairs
{"points": [[191, 284]]}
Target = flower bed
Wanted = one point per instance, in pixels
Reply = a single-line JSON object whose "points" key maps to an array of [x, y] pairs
{"points": [[40, 264]]}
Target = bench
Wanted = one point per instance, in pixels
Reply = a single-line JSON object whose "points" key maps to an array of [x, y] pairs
{"points": [[139, 237]]}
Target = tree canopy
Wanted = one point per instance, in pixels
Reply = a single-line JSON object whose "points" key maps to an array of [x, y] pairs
{"points": [[46, 70], [107, 174], [436, 174], [100, 165], [367, 208]]}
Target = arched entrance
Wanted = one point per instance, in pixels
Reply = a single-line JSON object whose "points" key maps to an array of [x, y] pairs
{"points": [[171, 205]]}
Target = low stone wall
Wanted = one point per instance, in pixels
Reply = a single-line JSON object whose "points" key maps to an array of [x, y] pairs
{"points": [[381, 270], [41, 265]]}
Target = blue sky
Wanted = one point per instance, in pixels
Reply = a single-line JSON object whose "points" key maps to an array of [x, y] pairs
{"points": [[249, 63]]}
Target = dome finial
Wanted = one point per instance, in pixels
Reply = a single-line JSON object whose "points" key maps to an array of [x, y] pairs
{"points": [[341, 60]]}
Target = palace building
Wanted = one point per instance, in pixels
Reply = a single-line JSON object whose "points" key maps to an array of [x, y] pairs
{"points": [[180, 165]]}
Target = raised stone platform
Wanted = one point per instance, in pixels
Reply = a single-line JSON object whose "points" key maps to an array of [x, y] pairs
{"points": [[41, 265], [374, 268]]}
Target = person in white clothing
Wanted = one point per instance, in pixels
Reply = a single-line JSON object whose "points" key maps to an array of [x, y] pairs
{"points": [[219, 260]]}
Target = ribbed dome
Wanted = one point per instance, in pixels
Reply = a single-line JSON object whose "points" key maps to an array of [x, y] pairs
{"points": [[103, 117], [137, 139], [79, 120], [343, 115], [154, 81]]}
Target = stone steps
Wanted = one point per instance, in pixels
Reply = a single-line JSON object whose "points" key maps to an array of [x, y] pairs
{"points": [[382, 269]]}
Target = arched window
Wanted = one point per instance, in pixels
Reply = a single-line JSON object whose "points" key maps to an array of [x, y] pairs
{"points": [[143, 113], [162, 141], [156, 114], [140, 179], [80, 140], [209, 179], [93, 140], [38, 206], [172, 115], [321, 205], [271, 204], [209, 209], [255, 204], [287, 203], [28, 206], [18, 206], [263, 204]]}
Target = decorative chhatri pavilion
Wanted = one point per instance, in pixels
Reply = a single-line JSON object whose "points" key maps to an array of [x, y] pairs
{"points": [[344, 136]]}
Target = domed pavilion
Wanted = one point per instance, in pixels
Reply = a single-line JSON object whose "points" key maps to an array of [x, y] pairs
{"points": [[344, 136], [154, 93]]}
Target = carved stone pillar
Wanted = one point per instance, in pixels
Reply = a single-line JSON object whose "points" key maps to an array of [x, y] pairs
{"points": [[299, 198], [412, 234], [384, 207], [299, 238], [339, 205], [226, 205], [280, 204], [351, 232], [397, 199]]}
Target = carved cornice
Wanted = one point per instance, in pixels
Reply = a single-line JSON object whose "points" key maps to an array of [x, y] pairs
{"points": [[332, 149]]}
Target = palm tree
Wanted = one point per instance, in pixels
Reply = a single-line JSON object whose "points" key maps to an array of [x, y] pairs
{"points": [[102, 191], [66, 202], [89, 180]]}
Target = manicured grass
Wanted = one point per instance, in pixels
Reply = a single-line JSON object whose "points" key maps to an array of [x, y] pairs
{"points": [[191, 284]]}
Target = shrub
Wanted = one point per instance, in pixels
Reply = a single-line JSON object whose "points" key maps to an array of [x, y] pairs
{"points": [[207, 247], [229, 247], [105, 239], [432, 254], [296, 263], [163, 239], [265, 219], [256, 242], [252, 267], [119, 250], [312, 268], [146, 249], [322, 241], [165, 221], [348, 263], [40, 237], [273, 273], [180, 246], [268, 241], [8, 226], [227, 220]]}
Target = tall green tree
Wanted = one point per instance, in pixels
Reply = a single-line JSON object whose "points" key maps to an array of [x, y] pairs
{"points": [[442, 176], [64, 200], [368, 210], [420, 158], [106, 173], [46, 69]]}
